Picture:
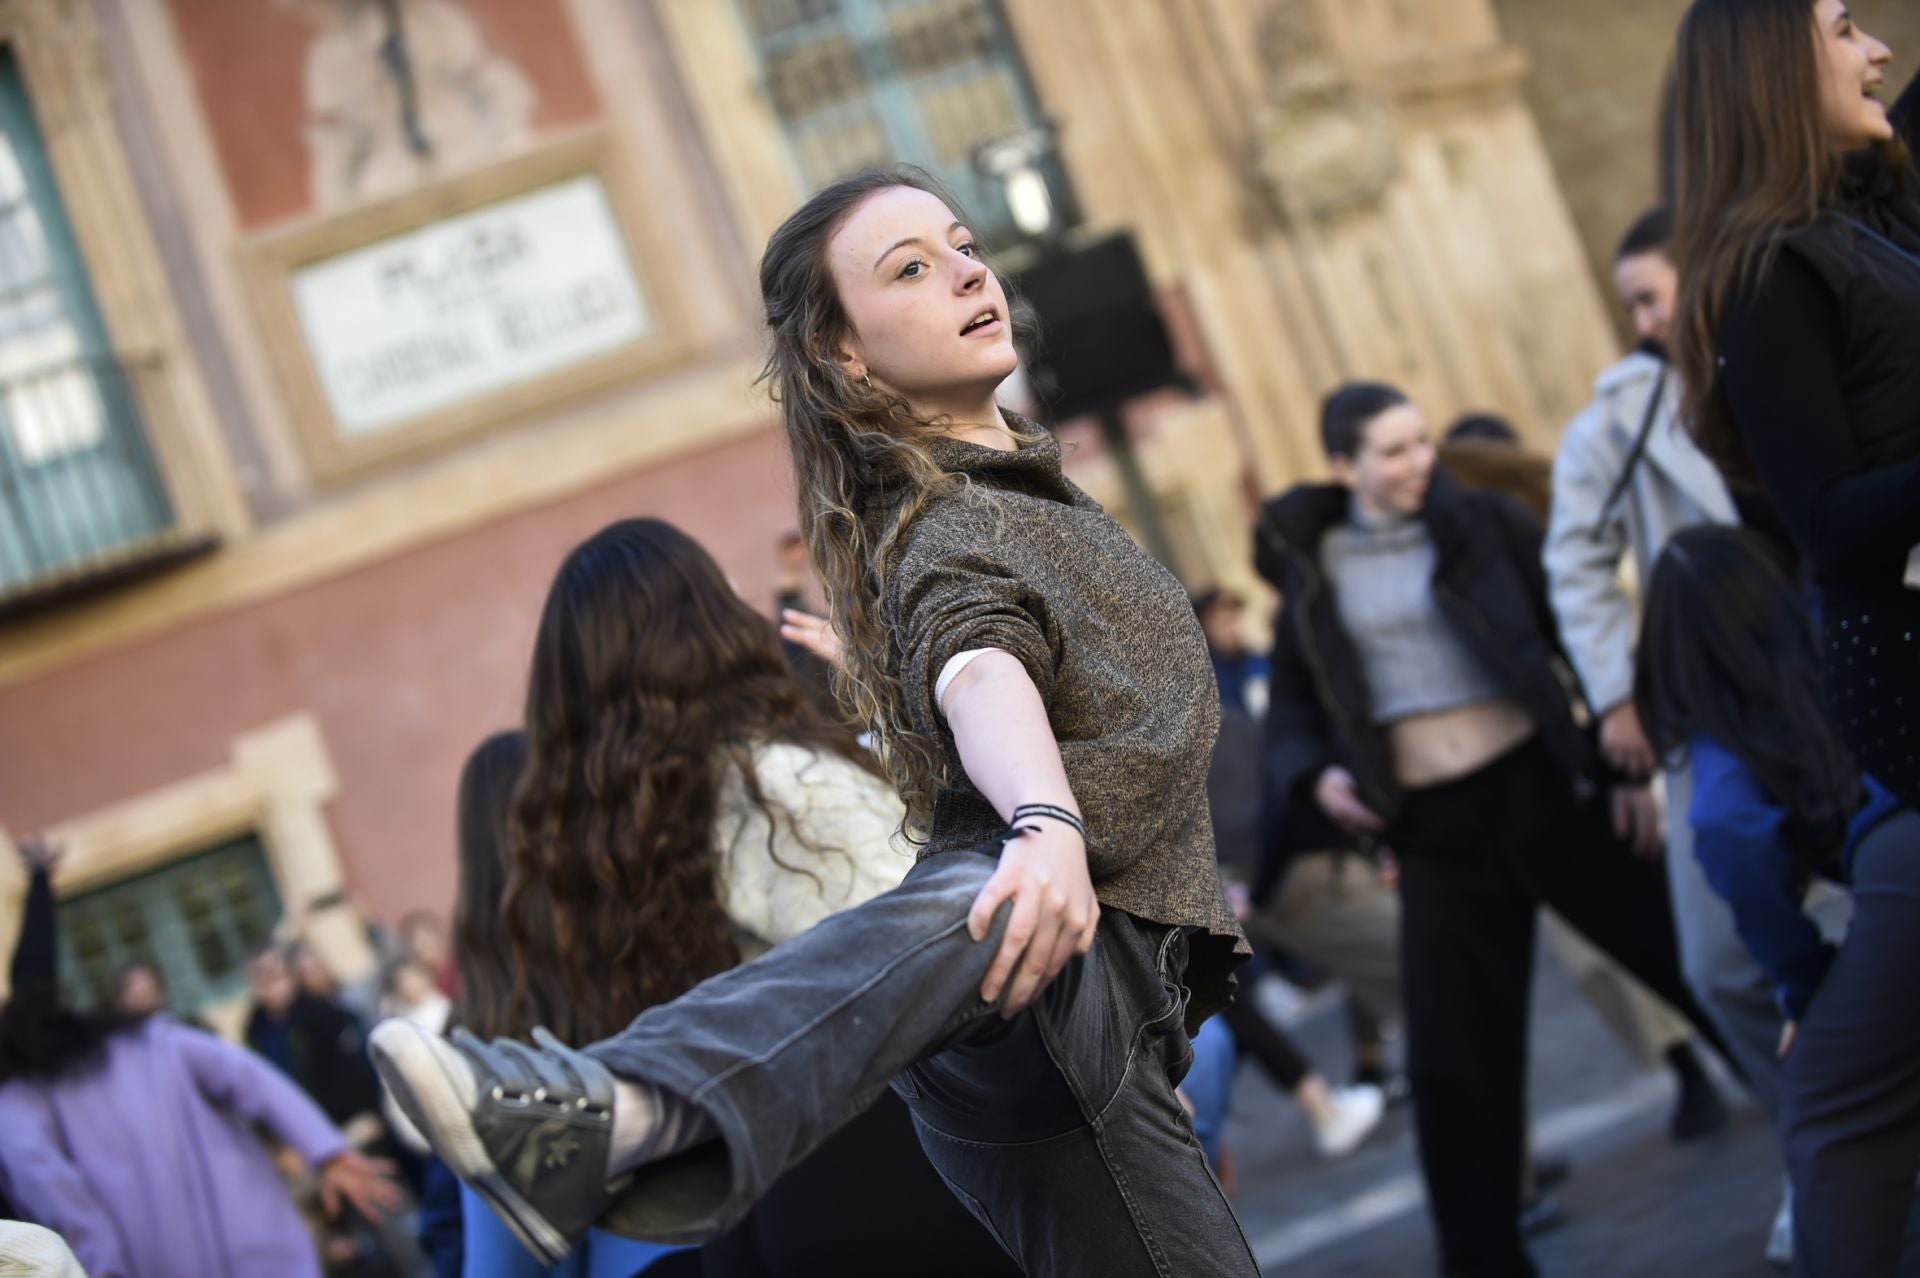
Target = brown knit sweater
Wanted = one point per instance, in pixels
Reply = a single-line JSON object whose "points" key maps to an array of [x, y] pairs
{"points": [[1021, 559]]}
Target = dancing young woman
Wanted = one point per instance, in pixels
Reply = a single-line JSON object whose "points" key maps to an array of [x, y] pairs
{"points": [[1417, 700], [1040, 692], [1728, 679], [1797, 235]]}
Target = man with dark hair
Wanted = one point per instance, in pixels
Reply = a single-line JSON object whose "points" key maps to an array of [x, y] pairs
{"points": [[1486, 428], [1345, 412], [1627, 477]]}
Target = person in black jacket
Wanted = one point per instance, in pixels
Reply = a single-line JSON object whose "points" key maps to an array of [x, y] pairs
{"points": [[1797, 235], [1419, 700], [315, 1042]]}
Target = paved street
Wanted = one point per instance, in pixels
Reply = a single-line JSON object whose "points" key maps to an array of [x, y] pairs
{"points": [[1638, 1206]]}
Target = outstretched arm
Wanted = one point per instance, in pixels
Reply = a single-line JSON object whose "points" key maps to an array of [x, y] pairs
{"points": [[243, 1083], [1007, 747], [36, 955]]}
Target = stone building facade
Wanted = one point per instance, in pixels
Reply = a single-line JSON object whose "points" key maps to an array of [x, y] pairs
{"points": [[382, 337]]}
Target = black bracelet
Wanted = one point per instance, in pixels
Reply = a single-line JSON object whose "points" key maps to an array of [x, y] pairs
{"points": [[1059, 814]]}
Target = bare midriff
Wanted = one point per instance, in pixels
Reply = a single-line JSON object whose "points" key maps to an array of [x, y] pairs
{"points": [[1432, 749]]}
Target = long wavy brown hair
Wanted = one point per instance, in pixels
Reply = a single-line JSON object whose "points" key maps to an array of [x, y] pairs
{"points": [[482, 950], [861, 468], [650, 678], [1747, 162]]}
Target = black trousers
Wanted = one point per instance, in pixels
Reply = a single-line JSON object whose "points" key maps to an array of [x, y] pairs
{"points": [[1478, 857], [1259, 1038], [1850, 1089]]}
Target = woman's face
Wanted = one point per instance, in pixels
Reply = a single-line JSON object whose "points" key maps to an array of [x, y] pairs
{"points": [[1395, 463], [1853, 70], [929, 319]]}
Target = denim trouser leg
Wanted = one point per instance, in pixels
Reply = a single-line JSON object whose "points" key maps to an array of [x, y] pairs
{"points": [[1850, 1104], [1715, 961], [1058, 1128]]}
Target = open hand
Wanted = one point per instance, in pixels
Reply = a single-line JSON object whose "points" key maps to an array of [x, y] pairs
{"points": [[39, 853], [366, 1183], [815, 634], [1339, 797], [1624, 742], [1055, 914], [1636, 819]]}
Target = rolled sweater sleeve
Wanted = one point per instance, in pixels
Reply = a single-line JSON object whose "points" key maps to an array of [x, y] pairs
{"points": [[952, 597], [1780, 352], [1738, 841]]}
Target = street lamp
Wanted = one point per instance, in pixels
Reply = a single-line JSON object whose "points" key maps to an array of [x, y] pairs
{"points": [[1017, 162]]}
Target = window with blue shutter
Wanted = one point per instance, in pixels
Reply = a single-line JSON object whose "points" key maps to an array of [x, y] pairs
{"points": [[78, 486], [193, 920]]}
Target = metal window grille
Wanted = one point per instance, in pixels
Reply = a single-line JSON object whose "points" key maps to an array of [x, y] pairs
{"points": [[861, 82], [194, 921], [78, 485]]}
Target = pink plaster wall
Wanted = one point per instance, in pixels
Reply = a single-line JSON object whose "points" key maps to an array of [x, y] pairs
{"points": [[406, 664]]}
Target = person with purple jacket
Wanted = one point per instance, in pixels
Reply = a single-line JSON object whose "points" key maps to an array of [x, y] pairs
{"points": [[133, 1138]]}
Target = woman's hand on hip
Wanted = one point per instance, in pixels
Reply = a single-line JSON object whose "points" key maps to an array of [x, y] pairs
{"points": [[1043, 871], [1636, 820], [1338, 795]]}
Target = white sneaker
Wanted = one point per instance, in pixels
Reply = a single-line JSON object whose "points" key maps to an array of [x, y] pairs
{"points": [[1357, 1112], [1780, 1237]]}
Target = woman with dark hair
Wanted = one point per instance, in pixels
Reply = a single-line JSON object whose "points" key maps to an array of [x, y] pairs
{"points": [[684, 804], [1418, 702], [1039, 692], [796, 828], [1727, 678], [1797, 237], [483, 955], [133, 1137]]}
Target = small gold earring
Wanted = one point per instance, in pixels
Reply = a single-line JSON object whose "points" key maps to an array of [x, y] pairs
{"points": [[866, 380]]}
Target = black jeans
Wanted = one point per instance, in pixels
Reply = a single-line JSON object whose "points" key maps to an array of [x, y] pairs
{"points": [[1059, 1129], [1259, 1039], [1478, 857], [858, 1204], [1850, 1103]]}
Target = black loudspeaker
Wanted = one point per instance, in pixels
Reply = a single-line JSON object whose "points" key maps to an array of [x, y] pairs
{"points": [[1101, 338]]}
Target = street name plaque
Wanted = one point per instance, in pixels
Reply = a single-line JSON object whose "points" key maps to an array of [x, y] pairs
{"points": [[490, 298], [463, 306]]}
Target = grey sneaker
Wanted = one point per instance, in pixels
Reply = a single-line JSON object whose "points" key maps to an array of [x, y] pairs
{"points": [[528, 1129]]}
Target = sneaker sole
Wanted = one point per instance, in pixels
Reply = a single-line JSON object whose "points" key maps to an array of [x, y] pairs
{"points": [[408, 1063]]}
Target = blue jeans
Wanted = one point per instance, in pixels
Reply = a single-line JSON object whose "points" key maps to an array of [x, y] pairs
{"points": [[1058, 1129], [1209, 1084]]}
